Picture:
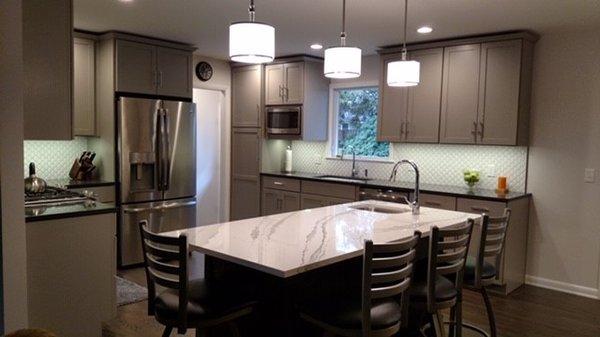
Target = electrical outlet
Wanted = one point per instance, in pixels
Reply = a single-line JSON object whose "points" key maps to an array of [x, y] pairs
{"points": [[589, 175]]}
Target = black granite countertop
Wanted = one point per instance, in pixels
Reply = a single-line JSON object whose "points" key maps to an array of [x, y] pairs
{"points": [[41, 213], [68, 183], [455, 191]]}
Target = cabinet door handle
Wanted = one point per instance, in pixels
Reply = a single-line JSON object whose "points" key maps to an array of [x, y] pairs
{"points": [[287, 93], [474, 130], [482, 127], [281, 91], [406, 129], [432, 203], [278, 183], [160, 79], [480, 209], [401, 129]]}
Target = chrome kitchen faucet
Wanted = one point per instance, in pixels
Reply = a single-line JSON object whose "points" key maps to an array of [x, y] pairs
{"points": [[414, 204]]}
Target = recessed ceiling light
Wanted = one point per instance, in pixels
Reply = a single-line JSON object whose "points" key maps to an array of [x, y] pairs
{"points": [[316, 46], [425, 30]]}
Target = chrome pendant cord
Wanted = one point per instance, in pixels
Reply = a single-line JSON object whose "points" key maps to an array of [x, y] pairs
{"points": [[343, 34], [405, 25], [251, 11]]}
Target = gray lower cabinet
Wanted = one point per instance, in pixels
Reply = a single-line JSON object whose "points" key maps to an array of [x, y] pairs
{"points": [[278, 201], [84, 88], [48, 70], [245, 173], [437, 201], [246, 90], [144, 68], [71, 267], [308, 201], [511, 264]]}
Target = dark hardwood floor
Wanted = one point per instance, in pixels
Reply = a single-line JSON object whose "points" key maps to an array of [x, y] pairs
{"points": [[527, 312]]}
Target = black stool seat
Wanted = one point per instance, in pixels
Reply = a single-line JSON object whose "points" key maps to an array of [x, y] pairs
{"points": [[488, 271], [347, 313], [204, 303], [444, 290]]}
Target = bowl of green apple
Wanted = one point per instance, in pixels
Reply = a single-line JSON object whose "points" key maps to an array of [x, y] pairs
{"points": [[471, 177]]}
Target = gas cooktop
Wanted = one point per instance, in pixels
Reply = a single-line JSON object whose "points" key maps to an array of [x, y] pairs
{"points": [[53, 196]]}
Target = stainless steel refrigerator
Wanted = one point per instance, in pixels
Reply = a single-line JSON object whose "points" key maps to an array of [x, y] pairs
{"points": [[156, 169]]}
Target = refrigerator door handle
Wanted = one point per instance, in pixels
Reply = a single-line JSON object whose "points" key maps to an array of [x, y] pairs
{"points": [[163, 150], [171, 205], [167, 157]]}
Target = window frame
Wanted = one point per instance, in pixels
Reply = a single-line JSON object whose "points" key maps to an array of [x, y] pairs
{"points": [[332, 141]]}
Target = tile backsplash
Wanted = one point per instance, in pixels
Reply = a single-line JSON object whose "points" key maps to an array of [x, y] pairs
{"points": [[438, 163], [53, 159]]}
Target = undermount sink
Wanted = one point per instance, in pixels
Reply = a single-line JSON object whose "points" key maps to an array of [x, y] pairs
{"points": [[379, 209], [344, 178]]}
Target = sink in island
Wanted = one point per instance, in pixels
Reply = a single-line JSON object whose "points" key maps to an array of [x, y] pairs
{"points": [[291, 243]]}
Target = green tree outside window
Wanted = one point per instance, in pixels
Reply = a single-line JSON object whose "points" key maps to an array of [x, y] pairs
{"points": [[357, 123]]}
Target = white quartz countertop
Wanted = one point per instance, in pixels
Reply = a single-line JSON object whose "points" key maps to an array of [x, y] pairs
{"points": [[291, 243]]}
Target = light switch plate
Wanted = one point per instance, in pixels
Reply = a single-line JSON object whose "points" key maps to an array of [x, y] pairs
{"points": [[590, 175]]}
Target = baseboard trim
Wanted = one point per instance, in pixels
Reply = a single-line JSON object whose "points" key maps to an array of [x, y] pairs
{"points": [[562, 286]]}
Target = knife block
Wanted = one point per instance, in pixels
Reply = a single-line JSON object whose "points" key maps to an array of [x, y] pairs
{"points": [[80, 172]]}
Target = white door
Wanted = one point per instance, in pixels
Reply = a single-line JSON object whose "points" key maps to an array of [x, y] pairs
{"points": [[209, 156]]}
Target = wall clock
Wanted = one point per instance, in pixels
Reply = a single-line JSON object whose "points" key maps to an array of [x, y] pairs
{"points": [[204, 71]]}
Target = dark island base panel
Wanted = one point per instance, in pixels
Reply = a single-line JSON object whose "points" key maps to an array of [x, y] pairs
{"points": [[280, 298], [41, 213], [454, 191]]}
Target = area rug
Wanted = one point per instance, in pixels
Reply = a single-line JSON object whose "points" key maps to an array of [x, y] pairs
{"points": [[129, 292]]}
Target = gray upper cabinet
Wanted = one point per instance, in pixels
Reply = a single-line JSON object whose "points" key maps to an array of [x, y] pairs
{"points": [[460, 94], [412, 114], [174, 72], [284, 83], [294, 83], [144, 68], [471, 91], [246, 84], [136, 67], [48, 69], [274, 82], [84, 79], [392, 107], [498, 98], [423, 113]]}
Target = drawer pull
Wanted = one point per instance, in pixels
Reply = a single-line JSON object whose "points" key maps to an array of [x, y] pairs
{"points": [[432, 203], [480, 209], [278, 183]]}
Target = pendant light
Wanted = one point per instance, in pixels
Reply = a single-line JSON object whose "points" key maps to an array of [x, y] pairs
{"points": [[403, 73], [251, 41], [342, 61]]}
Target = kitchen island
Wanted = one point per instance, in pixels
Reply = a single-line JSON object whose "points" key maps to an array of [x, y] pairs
{"points": [[290, 257], [291, 243]]}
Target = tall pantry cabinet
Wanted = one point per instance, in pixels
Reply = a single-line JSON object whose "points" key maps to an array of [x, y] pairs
{"points": [[246, 140]]}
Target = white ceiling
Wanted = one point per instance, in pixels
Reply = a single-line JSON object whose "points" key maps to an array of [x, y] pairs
{"points": [[298, 23]]}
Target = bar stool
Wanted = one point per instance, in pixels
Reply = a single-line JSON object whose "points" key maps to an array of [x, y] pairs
{"points": [[187, 304], [433, 291], [387, 272], [480, 273]]}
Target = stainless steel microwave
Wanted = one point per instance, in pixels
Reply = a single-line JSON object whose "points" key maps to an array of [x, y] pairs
{"points": [[284, 120]]}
